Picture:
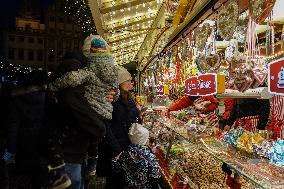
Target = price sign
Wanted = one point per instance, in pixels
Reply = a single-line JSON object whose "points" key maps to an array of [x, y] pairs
{"points": [[160, 89], [276, 77], [202, 85]]}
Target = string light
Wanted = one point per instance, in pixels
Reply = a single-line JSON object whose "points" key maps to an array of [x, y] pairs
{"points": [[275, 56], [81, 14], [12, 71]]}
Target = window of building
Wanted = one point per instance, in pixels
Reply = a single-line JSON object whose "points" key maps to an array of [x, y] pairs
{"points": [[51, 44], [52, 19], [52, 30], [11, 53], [40, 41], [40, 55], [31, 40], [60, 53], [31, 55], [68, 44], [76, 44], [21, 54], [60, 44], [51, 55], [11, 38], [28, 26], [61, 20], [21, 39]]}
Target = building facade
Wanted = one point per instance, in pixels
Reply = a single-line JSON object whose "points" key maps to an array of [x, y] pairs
{"points": [[40, 41]]}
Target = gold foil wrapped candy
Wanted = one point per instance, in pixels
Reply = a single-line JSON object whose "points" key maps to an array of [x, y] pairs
{"points": [[247, 139]]}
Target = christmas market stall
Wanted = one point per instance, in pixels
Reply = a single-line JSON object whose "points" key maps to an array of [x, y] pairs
{"points": [[213, 85]]}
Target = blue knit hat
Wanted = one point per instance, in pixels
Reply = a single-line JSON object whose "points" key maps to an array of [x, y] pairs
{"points": [[97, 50]]}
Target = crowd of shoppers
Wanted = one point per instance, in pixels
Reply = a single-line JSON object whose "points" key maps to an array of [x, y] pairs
{"points": [[81, 114]]}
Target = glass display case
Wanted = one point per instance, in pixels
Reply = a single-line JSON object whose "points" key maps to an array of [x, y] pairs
{"points": [[191, 155]]}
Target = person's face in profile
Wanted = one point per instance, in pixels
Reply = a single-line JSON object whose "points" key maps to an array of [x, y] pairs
{"points": [[127, 85]]}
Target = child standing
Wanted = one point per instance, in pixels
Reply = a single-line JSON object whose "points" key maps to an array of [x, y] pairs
{"points": [[138, 164]]}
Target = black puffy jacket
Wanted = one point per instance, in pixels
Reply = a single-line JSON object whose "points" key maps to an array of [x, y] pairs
{"points": [[117, 141]]}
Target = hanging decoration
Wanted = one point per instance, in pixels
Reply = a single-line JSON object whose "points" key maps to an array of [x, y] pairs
{"points": [[241, 31], [251, 41], [260, 9], [208, 64], [211, 49], [202, 34], [228, 20]]}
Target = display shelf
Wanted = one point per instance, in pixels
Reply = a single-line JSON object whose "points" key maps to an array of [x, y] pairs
{"points": [[259, 93], [255, 171], [241, 166]]}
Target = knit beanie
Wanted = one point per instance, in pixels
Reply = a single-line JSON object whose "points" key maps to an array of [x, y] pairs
{"points": [[97, 50], [138, 134], [123, 75]]}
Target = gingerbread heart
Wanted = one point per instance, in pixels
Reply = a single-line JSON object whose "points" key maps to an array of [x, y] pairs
{"points": [[259, 76]]}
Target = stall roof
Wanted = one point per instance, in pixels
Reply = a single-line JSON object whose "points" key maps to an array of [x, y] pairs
{"points": [[124, 24]]}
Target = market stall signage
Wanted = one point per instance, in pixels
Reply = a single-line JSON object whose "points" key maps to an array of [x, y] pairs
{"points": [[276, 77], [202, 85], [160, 89]]}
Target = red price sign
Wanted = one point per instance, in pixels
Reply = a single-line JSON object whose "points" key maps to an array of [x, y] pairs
{"points": [[276, 77], [202, 85], [160, 89]]}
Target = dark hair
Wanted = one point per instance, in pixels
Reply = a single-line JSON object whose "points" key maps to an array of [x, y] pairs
{"points": [[72, 61], [77, 55]]}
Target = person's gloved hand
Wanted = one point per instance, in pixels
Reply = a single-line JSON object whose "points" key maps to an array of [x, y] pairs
{"points": [[202, 105], [226, 168]]}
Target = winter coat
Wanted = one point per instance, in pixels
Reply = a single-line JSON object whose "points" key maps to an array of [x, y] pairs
{"points": [[98, 79], [26, 115], [122, 118], [187, 101], [71, 117], [75, 123], [182, 103], [139, 167]]}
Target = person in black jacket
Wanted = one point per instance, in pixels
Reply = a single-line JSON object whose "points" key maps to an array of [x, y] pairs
{"points": [[5, 95], [124, 114], [250, 114], [25, 117], [72, 129]]}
